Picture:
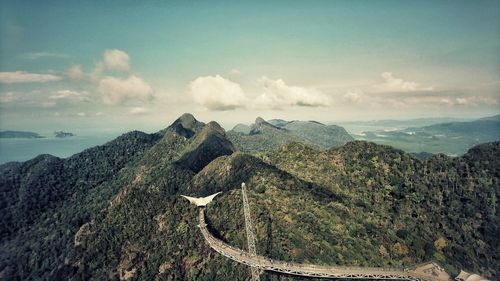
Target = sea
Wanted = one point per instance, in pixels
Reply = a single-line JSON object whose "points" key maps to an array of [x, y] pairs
{"points": [[19, 149]]}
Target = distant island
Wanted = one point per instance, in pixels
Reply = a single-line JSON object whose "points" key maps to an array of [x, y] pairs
{"points": [[62, 134], [19, 135], [31, 135]]}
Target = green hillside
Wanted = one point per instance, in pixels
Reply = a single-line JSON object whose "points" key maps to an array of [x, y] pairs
{"points": [[359, 204]]}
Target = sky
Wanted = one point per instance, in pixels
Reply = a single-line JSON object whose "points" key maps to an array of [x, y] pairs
{"points": [[122, 65]]}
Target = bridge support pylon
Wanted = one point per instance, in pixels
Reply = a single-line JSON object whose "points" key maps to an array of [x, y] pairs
{"points": [[249, 230]]}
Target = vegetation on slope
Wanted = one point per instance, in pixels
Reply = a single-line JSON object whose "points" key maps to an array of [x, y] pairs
{"points": [[45, 200], [360, 204], [445, 209]]}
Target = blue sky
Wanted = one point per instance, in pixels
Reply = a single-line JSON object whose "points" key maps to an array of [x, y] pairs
{"points": [[138, 65]]}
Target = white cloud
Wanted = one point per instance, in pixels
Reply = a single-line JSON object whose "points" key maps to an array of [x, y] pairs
{"points": [[75, 72], [69, 95], [47, 104], [81, 114], [393, 84], [461, 101], [277, 94], [116, 60], [217, 93], [38, 55], [26, 77], [116, 90], [137, 110], [485, 100], [469, 101], [8, 97], [354, 96]]}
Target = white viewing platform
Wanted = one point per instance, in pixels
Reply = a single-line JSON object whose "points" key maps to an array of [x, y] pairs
{"points": [[201, 201]]}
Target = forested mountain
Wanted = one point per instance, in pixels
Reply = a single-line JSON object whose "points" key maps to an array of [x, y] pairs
{"points": [[264, 135], [325, 136], [45, 200], [114, 212]]}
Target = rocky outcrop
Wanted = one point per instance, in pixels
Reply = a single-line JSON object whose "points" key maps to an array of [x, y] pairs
{"points": [[132, 259], [260, 125], [84, 231]]}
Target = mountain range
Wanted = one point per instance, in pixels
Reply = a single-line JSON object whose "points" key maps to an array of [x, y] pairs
{"points": [[265, 135], [452, 138], [114, 212]]}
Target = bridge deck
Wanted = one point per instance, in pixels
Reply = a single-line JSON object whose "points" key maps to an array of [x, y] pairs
{"points": [[309, 270]]}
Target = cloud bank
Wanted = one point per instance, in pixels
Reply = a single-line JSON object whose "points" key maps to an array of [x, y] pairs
{"points": [[40, 55], [218, 93], [393, 84], [397, 93]]}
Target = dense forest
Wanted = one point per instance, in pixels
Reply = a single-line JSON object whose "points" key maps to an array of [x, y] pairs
{"points": [[114, 212]]}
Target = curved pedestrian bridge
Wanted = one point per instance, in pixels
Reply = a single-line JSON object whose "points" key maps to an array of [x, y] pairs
{"points": [[425, 272]]}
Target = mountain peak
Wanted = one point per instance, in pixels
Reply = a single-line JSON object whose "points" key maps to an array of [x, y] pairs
{"points": [[187, 120], [216, 127], [260, 124], [260, 121], [208, 144], [186, 125]]}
